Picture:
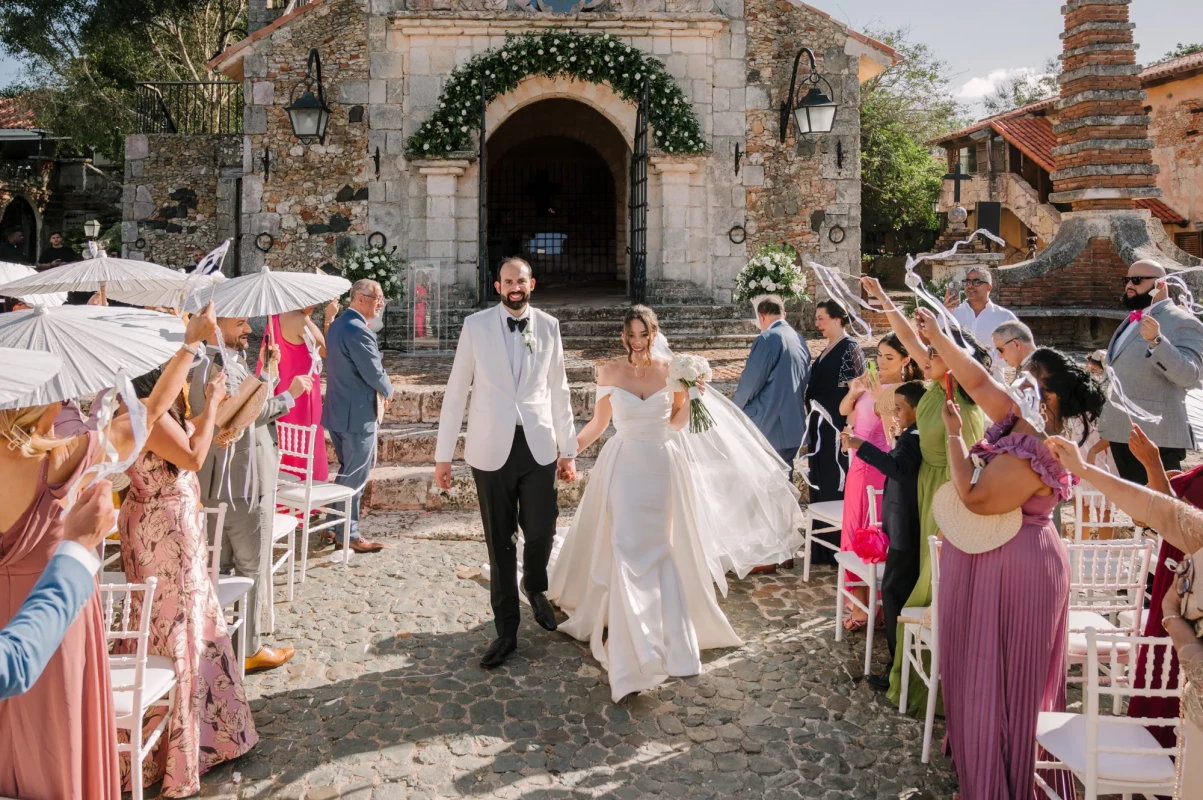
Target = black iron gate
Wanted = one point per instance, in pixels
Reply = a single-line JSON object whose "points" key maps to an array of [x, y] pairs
{"points": [[638, 203], [484, 269]]}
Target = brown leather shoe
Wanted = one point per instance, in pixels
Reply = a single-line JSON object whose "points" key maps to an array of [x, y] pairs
{"points": [[765, 569], [269, 658], [361, 546]]}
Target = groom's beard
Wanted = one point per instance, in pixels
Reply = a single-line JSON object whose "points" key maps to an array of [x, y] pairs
{"points": [[1136, 302], [518, 304]]}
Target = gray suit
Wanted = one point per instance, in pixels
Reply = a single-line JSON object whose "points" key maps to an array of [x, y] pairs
{"points": [[772, 388], [225, 477], [1156, 380], [354, 376]]}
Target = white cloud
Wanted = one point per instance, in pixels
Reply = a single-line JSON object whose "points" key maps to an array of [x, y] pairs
{"points": [[977, 88]]}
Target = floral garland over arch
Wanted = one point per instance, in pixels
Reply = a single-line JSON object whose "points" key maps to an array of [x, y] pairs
{"points": [[558, 52]]}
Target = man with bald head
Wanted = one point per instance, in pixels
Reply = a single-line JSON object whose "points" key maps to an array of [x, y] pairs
{"points": [[356, 388], [1157, 355]]}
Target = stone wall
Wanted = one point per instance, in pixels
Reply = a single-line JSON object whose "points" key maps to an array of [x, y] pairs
{"points": [[797, 191], [1176, 126], [179, 194], [313, 199]]}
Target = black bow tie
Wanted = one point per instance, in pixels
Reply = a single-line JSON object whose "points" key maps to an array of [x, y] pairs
{"points": [[516, 324]]}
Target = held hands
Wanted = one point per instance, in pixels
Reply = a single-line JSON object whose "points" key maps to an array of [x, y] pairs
{"points": [[952, 418], [1067, 453], [566, 470], [1143, 448], [201, 327], [92, 517], [1150, 328], [300, 385]]}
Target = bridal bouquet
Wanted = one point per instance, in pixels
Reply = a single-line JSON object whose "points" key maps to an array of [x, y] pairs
{"points": [[687, 370]]}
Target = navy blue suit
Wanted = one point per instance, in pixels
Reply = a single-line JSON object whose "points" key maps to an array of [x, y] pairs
{"points": [[354, 376], [33, 636], [772, 388]]}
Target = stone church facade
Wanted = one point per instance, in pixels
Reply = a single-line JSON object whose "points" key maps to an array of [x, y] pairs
{"points": [[558, 149]]}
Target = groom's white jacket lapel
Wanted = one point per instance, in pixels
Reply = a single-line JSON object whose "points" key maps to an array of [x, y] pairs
{"points": [[539, 401]]}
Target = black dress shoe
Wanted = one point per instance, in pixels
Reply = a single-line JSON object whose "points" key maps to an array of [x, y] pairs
{"points": [[880, 682], [499, 651], [545, 615]]}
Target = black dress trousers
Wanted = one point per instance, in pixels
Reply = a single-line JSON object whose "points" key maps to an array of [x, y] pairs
{"points": [[522, 492]]}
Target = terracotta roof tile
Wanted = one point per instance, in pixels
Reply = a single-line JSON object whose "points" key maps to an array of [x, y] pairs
{"points": [[1032, 135], [15, 114], [1167, 215], [1168, 69], [985, 122]]}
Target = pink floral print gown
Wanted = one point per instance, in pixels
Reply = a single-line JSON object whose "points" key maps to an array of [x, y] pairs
{"points": [[161, 536]]}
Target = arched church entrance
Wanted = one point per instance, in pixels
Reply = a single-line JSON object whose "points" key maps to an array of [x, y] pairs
{"points": [[20, 216], [557, 197]]}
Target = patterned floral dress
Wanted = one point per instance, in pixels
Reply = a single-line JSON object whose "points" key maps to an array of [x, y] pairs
{"points": [[161, 536]]}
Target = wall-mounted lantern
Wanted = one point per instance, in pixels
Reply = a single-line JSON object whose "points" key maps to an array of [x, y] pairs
{"points": [[815, 111], [309, 113]]}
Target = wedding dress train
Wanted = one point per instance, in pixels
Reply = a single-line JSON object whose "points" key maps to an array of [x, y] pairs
{"points": [[631, 573]]}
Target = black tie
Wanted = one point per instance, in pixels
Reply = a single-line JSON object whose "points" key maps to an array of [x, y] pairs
{"points": [[516, 324]]}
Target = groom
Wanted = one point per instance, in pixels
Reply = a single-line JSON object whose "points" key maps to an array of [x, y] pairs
{"points": [[519, 420]]}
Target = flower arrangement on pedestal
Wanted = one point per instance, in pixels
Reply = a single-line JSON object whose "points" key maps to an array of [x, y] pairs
{"points": [[774, 270], [376, 264], [554, 53]]}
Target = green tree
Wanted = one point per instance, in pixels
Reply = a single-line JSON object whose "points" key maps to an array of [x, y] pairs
{"points": [[1183, 50], [902, 109], [1024, 88], [83, 58]]}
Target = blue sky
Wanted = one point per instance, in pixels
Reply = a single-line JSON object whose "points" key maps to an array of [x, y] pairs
{"points": [[983, 42]]}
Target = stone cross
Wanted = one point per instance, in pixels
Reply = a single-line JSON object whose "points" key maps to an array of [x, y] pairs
{"points": [[956, 176]]}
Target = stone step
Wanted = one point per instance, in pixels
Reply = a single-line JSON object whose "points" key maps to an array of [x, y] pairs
{"points": [[424, 403], [570, 329], [414, 443], [411, 487], [683, 341]]}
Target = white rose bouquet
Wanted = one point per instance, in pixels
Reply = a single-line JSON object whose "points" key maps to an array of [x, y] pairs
{"points": [[774, 270], [377, 264], [687, 371]]}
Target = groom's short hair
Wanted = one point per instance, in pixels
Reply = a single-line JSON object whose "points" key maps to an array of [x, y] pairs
{"points": [[771, 306], [522, 262]]}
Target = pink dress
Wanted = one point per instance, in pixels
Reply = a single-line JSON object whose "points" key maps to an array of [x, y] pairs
{"points": [[161, 537], [58, 741], [295, 360], [868, 426]]}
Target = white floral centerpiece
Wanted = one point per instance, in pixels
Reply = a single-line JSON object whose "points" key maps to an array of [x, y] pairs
{"points": [[687, 371], [774, 270], [376, 264]]}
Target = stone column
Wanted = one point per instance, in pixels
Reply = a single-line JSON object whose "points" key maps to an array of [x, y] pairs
{"points": [[1103, 156], [442, 181], [678, 249]]}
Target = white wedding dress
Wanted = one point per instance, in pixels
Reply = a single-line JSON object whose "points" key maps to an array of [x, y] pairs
{"points": [[631, 573]]}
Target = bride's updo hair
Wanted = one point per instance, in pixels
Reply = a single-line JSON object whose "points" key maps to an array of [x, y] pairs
{"points": [[650, 323]]}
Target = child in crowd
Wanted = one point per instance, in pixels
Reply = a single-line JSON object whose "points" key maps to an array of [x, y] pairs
{"points": [[900, 509]]}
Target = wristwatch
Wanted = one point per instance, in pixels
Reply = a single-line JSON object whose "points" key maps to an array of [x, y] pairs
{"points": [[1156, 341]]}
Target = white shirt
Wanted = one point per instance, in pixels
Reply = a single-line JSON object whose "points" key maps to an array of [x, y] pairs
{"points": [[514, 345], [1131, 330], [982, 327], [80, 553]]}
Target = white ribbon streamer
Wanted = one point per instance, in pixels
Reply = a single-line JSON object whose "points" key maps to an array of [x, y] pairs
{"points": [[1117, 398], [833, 283], [110, 462], [315, 353], [815, 408], [914, 282], [1025, 391]]}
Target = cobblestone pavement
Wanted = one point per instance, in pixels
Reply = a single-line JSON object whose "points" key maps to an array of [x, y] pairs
{"points": [[385, 698]]}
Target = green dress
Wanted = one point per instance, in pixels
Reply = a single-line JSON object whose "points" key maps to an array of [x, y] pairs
{"points": [[933, 473]]}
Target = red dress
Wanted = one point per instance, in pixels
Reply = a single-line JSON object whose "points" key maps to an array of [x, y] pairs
{"points": [[58, 741]]}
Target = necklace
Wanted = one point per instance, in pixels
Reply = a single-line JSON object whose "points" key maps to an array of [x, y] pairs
{"points": [[646, 364]]}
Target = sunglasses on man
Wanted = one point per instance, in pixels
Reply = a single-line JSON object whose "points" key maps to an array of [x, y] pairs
{"points": [[975, 282], [1136, 280]]}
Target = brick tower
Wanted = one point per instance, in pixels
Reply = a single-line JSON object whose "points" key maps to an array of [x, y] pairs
{"points": [[1104, 157]]}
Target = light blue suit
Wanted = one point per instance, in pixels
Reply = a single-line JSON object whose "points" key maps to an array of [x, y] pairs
{"points": [[354, 376], [33, 636], [772, 388]]}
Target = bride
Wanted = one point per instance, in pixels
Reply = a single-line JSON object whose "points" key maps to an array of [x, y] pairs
{"points": [[665, 514]]}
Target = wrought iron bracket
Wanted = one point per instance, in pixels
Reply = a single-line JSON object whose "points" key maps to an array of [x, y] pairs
{"points": [[738, 157]]}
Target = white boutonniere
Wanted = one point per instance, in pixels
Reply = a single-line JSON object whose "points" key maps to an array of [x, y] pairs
{"points": [[528, 339]]}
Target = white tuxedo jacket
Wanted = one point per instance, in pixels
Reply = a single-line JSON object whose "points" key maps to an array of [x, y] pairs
{"points": [[540, 402]]}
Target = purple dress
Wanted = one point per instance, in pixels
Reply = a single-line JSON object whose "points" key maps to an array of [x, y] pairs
{"points": [[1003, 638]]}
